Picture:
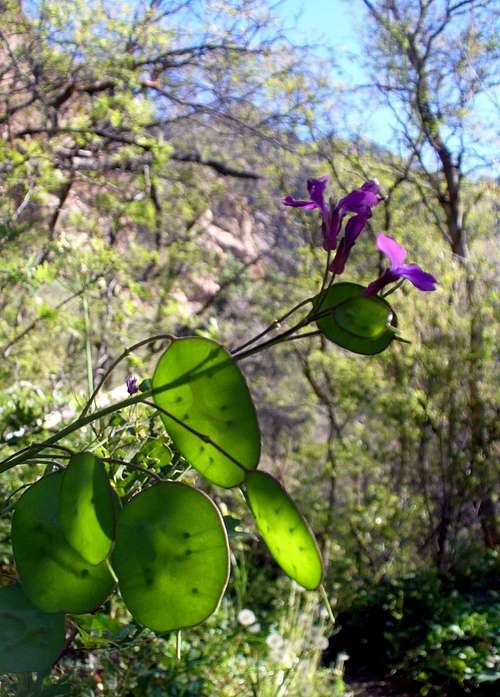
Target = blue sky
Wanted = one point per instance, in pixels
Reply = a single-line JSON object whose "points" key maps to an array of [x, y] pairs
{"points": [[339, 25]]}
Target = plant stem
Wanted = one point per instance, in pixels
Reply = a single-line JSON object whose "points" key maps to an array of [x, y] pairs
{"points": [[84, 419], [88, 347], [130, 349], [396, 287], [133, 466], [328, 607], [30, 451], [273, 325]]}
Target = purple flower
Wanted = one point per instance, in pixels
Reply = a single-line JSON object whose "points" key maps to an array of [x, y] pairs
{"points": [[397, 254], [132, 384], [360, 202]]}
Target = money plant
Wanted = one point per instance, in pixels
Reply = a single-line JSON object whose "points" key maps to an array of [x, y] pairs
{"points": [[165, 548]]}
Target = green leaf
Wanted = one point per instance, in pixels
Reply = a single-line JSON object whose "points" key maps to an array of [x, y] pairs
{"points": [[86, 509], [30, 640], [54, 576], [284, 530], [357, 323], [207, 391], [154, 453], [171, 556], [364, 317]]}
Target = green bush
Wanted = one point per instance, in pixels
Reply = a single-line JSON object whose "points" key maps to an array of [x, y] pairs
{"points": [[436, 633]]}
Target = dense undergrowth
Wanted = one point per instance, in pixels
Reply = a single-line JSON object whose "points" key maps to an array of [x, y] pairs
{"points": [[429, 632]]}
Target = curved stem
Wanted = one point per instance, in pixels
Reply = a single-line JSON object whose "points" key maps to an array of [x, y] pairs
{"points": [[25, 453], [273, 325], [130, 349], [85, 418], [394, 288], [133, 466]]}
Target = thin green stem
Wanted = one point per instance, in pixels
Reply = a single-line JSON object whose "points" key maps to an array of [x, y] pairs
{"points": [[121, 357], [23, 455], [178, 644], [326, 601], [111, 571], [88, 346], [273, 325], [133, 466], [394, 288]]}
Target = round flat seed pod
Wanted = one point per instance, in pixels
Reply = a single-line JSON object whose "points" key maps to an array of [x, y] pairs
{"points": [[30, 640], [284, 530], [206, 390], [54, 576], [356, 322], [86, 511], [171, 556]]}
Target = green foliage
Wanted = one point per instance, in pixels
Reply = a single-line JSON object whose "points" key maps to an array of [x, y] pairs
{"points": [[283, 529], [357, 323], [171, 556], [199, 387], [86, 511], [116, 123], [438, 632], [30, 640]]}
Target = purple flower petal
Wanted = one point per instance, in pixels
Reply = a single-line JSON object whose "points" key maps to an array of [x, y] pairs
{"points": [[395, 252], [316, 188], [352, 231], [132, 384], [373, 186], [308, 205], [420, 278], [361, 200]]}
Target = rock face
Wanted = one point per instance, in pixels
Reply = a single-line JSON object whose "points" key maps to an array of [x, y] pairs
{"points": [[233, 242]]}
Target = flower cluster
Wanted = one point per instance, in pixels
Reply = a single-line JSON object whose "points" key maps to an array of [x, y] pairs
{"points": [[359, 203], [248, 620]]}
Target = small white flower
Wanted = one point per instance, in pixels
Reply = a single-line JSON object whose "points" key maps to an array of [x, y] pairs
{"points": [[92, 661], [274, 641], [324, 614], [287, 660], [246, 617], [254, 628], [322, 643]]}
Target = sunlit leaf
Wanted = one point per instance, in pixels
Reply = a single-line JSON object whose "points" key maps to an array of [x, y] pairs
{"points": [[54, 576], [357, 323], [171, 556], [284, 530], [86, 508], [206, 390]]}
